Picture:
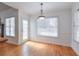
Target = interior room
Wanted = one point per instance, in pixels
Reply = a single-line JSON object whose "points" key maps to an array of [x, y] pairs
{"points": [[39, 28]]}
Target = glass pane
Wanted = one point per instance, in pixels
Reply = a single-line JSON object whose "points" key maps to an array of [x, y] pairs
{"points": [[7, 26], [7, 31], [47, 27], [12, 33], [12, 28], [12, 21], [76, 21], [7, 22], [25, 29], [53, 22], [76, 34]]}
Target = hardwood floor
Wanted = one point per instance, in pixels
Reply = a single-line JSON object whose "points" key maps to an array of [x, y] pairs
{"points": [[35, 49]]}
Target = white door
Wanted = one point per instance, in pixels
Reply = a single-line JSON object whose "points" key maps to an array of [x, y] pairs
{"points": [[25, 30]]}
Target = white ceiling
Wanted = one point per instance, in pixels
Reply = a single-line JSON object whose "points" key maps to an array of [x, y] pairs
{"points": [[3, 7], [34, 7]]}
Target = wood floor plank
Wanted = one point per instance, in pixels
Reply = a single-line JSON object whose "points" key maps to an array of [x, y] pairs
{"points": [[31, 48]]}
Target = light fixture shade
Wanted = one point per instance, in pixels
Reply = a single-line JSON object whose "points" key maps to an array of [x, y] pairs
{"points": [[41, 17]]}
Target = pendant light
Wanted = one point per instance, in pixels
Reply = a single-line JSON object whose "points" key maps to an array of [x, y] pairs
{"points": [[41, 17]]}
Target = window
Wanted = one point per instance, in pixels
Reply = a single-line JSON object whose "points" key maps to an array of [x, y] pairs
{"points": [[76, 26], [48, 27], [10, 26], [25, 29]]}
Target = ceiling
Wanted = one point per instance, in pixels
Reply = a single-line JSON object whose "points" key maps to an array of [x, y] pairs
{"points": [[3, 7], [34, 7]]}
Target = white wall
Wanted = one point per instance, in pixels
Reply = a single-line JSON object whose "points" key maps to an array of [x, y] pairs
{"points": [[74, 44], [64, 28], [21, 16], [11, 13]]}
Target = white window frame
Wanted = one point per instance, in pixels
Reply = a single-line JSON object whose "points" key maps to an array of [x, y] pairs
{"points": [[75, 26], [10, 27], [46, 35]]}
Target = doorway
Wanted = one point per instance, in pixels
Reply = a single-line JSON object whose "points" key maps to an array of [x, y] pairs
{"points": [[25, 30]]}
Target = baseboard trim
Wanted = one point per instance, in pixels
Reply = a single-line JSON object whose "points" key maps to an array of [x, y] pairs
{"points": [[50, 43], [10, 42], [75, 50]]}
